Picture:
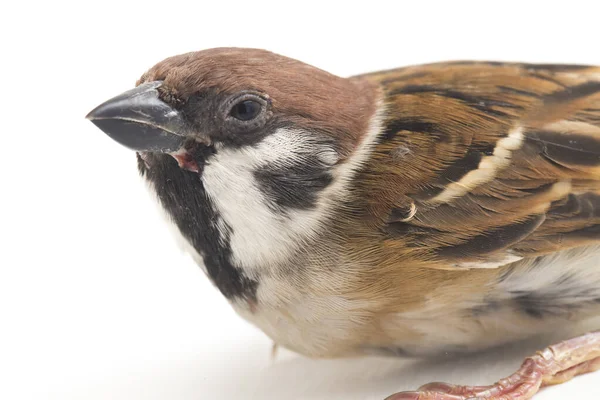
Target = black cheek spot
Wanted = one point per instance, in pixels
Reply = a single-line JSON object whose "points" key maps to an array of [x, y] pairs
{"points": [[294, 185]]}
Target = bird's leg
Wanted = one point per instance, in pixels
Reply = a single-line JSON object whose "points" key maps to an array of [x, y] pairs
{"points": [[556, 364]]}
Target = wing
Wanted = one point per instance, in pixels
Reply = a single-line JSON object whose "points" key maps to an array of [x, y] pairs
{"points": [[487, 163]]}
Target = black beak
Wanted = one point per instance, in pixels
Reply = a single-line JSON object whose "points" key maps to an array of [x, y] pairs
{"points": [[139, 120]]}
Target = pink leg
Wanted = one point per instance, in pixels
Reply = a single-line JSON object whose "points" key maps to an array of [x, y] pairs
{"points": [[556, 364]]}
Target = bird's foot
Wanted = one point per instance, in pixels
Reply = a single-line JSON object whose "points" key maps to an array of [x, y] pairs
{"points": [[556, 364]]}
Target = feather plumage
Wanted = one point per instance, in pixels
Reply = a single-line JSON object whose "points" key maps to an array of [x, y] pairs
{"points": [[489, 153]]}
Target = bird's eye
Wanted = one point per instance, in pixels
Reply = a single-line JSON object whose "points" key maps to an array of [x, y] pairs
{"points": [[246, 110]]}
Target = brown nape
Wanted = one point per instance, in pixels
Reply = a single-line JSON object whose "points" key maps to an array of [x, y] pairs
{"points": [[308, 97]]}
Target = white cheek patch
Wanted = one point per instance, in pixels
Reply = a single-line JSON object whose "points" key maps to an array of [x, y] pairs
{"points": [[260, 235]]}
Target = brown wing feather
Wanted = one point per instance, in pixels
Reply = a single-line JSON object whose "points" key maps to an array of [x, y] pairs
{"points": [[501, 160]]}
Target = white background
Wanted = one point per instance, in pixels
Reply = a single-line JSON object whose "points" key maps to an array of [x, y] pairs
{"points": [[96, 301]]}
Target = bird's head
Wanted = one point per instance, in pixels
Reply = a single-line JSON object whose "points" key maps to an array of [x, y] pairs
{"points": [[247, 150]]}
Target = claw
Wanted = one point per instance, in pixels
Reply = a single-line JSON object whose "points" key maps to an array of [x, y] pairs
{"points": [[556, 364], [420, 395], [442, 387]]}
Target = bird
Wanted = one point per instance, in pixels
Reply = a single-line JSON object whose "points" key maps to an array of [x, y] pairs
{"points": [[440, 208]]}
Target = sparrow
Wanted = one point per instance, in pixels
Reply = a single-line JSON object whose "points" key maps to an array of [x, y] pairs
{"points": [[439, 208]]}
